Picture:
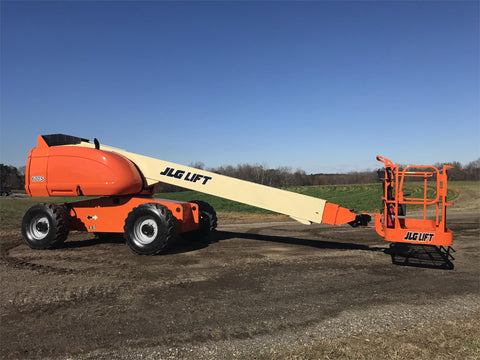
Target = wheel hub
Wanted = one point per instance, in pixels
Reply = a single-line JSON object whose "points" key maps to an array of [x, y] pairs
{"points": [[148, 230], [39, 227], [42, 227]]}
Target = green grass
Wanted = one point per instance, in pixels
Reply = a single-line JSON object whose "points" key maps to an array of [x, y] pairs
{"points": [[219, 204], [12, 209], [361, 198], [358, 197]]}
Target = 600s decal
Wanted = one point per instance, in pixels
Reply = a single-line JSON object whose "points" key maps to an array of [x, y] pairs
{"points": [[38, 178]]}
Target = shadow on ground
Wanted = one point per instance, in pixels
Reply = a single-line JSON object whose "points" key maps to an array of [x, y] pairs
{"points": [[182, 245], [400, 255]]}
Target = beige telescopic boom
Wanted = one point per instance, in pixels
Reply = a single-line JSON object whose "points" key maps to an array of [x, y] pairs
{"points": [[305, 209]]}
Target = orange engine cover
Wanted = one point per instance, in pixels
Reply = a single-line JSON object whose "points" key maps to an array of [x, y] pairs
{"points": [[74, 171]]}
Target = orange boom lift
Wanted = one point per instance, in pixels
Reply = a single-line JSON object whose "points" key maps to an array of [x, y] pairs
{"points": [[124, 183]]}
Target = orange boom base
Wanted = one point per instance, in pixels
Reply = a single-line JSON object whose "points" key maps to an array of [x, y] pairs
{"points": [[76, 171]]}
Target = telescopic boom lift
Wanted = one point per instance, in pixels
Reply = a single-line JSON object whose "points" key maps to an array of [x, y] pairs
{"points": [[63, 165]]}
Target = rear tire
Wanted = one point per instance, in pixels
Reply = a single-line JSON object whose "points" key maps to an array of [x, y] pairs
{"points": [[149, 228], [208, 222], [45, 226]]}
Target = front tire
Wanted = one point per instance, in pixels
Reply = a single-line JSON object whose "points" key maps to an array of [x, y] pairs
{"points": [[149, 228], [45, 226]]}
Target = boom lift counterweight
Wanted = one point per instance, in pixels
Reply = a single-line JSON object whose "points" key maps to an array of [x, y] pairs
{"points": [[63, 165]]}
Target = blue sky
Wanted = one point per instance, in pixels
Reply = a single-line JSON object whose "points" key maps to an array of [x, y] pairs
{"points": [[320, 86]]}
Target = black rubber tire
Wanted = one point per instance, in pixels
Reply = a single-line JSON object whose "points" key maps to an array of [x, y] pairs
{"points": [[208, 222], [150, 228], [45, 226]]}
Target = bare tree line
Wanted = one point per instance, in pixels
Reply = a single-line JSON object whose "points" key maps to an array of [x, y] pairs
{"points": [[470, 171], [285, 176], [280, 177], [11, 177]]}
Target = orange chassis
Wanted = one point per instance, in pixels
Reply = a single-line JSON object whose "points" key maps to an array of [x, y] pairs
{"points": [[107, 214]]}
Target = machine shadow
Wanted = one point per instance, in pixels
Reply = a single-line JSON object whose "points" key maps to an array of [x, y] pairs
{"points": [[179, 246], [319, 244], [185, 246], [401, 254], [96, 240], [427, 258], [432, 257]]}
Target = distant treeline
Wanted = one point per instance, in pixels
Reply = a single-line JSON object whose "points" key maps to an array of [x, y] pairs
{"points": [[11, 177], [285, 176], [279, 177]]}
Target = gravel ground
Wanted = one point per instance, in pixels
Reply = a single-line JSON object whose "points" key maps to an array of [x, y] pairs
{"points": [[257, 286]]}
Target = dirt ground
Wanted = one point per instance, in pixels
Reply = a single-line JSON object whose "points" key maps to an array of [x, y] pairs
{"points": [[263, 284]]}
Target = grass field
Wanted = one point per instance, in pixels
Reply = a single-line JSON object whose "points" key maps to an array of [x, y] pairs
{"points": [[360, 198]]}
